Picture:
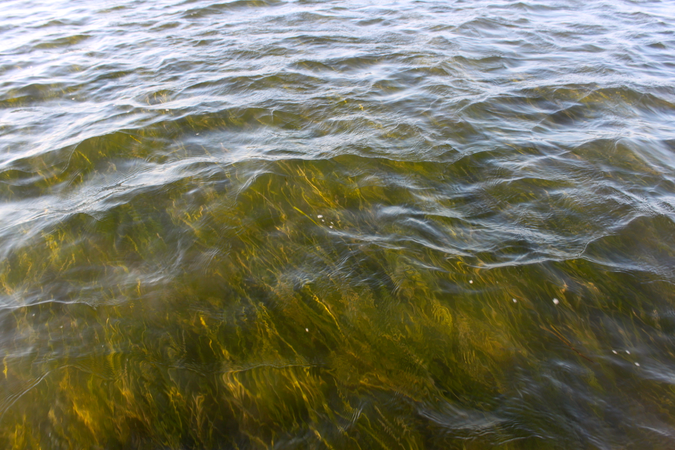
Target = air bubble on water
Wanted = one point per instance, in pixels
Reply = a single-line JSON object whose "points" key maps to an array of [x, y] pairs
{"points": [[470, 281], [320, 216], [637, 364], [330, 226], [515, 301], [307, 330], [615, 352], [556, 301], [627, 352]]}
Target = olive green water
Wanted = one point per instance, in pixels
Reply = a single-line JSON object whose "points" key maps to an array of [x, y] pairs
{"points": [[339, 225]]}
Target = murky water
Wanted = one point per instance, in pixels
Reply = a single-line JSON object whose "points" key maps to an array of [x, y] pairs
{"points": [[334, 224]]}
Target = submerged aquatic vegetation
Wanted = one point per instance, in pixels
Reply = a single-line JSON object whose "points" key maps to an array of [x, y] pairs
{"points": [[240, 319], [333, 225]]}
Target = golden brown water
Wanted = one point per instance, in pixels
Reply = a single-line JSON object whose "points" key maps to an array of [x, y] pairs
{"points": [[322, 224]]}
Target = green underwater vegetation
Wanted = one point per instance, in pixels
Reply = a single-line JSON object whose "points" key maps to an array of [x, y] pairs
{"points": [[337, 225], [286, 304]]}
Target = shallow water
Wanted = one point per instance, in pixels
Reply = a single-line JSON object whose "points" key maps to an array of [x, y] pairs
{"points": [[323, 224]]}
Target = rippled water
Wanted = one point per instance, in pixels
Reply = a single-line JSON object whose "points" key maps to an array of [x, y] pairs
{"points": [[323, 224]]}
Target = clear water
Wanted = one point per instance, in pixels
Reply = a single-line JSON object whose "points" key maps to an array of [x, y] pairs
{"points": [[335, 224]]}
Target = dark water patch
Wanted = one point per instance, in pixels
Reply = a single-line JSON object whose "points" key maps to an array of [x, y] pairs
{"points": [[654, 252], [217, 8], [62, 42]]}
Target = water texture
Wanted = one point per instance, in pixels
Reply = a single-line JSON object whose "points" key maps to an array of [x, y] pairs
{"points": [[335, 224]]}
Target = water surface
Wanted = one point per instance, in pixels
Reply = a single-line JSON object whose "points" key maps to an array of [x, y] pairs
{"points": [[335, 224]]}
